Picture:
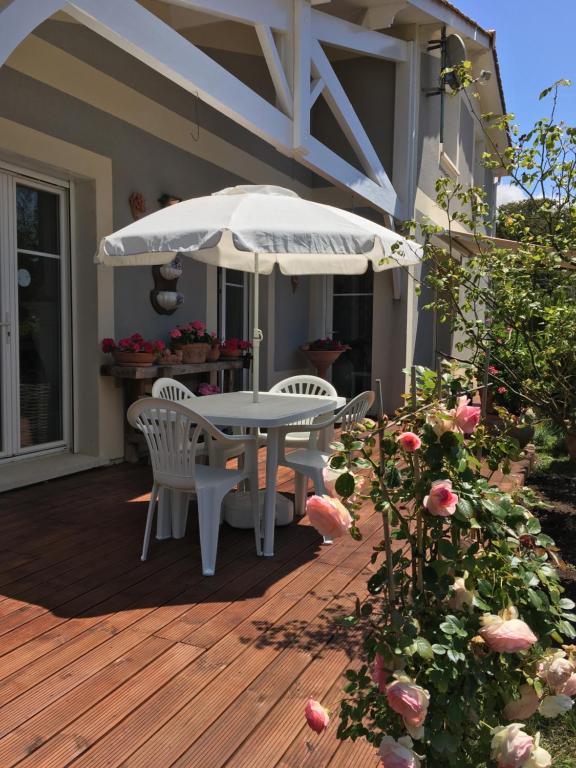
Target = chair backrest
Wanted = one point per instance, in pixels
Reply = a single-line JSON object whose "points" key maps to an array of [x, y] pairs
{"points": [[354, 411], [172, 432], [305, 385], [171, 389]]}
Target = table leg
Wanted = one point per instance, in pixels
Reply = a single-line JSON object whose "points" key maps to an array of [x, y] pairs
{"points": [[270, 498]]}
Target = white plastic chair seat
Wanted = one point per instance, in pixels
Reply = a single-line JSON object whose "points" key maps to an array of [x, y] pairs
{"points": [[306, 461], [172, 431]]}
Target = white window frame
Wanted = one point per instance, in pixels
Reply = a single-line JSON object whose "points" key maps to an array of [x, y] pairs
{"points": [[10, 177]]}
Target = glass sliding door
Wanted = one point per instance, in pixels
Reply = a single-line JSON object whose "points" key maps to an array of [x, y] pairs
{"points": [[35, 340], [233, 312], [352, 298]]}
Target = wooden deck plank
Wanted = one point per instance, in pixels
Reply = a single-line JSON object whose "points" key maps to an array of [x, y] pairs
{"points": [[111, 662]]}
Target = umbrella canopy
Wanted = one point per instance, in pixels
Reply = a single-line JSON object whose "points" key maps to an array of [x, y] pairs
{"points": [[251, 228]]}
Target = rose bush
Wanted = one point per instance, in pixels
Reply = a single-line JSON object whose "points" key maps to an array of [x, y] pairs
{"points": [[465, 624]]}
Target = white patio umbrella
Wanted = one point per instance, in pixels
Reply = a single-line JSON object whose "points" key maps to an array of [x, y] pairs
{"points": [[251, 228]]}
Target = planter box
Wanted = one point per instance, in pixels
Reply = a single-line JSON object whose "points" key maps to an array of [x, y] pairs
{"points": [[133, 358]]}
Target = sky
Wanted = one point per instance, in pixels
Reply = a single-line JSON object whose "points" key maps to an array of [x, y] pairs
{"points": [[536, 46]]}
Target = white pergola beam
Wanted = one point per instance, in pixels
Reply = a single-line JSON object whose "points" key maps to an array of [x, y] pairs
{"points": [[352, 37], [19, 17], [340, 172], [275, 67], [382, 16], [347, 118], [143, 35], [316, 89], [272, 13], [301, 37]]}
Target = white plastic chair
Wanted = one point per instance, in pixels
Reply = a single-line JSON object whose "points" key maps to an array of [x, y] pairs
{"points": [[176, 392], [172, 432], [310, 462], [301, 385]]}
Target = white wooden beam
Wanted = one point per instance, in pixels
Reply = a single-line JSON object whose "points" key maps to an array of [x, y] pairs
{"points": [[272, 13], [316, 88], [331, 166], [301, 44], [347, 118], [407, 91], [18, 18], [382, 16], [352, 37], [143, 35], [453, 18], [275, 67]]}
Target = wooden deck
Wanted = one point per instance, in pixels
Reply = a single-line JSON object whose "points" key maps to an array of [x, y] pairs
{"points": [[107, 661]]}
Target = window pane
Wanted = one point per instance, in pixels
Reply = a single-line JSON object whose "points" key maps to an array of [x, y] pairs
{"points": [[352, 325], [38, 224], [354, 283], [40, 336], [235, 277]]}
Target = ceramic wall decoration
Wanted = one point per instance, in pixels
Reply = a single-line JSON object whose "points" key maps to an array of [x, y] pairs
{"points": [[164, 297], [169, 300], [173, 270]]}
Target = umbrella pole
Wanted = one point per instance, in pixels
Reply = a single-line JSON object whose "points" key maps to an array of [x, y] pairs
{"points": [[256, 335]]}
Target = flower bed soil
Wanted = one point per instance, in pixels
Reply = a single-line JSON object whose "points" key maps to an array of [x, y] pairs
{"points": [[559, 522]]}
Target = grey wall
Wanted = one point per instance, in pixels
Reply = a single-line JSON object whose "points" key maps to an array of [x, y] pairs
{"points": [[291, 313], [140, 163], [370, 86]]}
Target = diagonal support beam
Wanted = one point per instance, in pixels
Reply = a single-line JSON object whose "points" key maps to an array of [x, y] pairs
{"points": [[347, 118], [18, 18], [316, 89], [275, 67], [137, 31]]}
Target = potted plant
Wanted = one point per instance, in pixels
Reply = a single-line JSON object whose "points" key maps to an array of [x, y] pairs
{"points": [[133, 350], [233, 349], [193, 340], [214, 351], [322, 353]]}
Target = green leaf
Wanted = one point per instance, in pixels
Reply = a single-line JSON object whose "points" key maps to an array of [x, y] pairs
{"points": [[447, 549], [423, 648], [566, 604], [533, 526], [465, 508], [345, 485], [439, 650], [477, 602]]}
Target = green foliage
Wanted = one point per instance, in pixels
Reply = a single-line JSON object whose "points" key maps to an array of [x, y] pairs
{"points": [[436, 578]]}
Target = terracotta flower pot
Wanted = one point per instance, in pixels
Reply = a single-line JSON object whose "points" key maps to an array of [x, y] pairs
{"points": [[194, 353], [213, 354], [122, 357], [322, 359], [230, 354]]}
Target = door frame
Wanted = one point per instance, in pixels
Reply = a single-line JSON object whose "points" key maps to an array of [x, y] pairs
{"points": [[10, 177]]}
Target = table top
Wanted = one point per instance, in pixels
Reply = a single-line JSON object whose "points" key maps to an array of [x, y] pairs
{"points": [[236, 409]]}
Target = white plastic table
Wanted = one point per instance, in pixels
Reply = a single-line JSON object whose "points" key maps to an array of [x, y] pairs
{"points": [[273, 411]]}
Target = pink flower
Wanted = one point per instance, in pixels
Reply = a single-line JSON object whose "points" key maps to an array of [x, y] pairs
{"points": [[502, 390], [569, 688], [159, 345], [466, 416], [108, 345], [379, 673], [395, 754], [441, 502], [175, 333], [136, 337], [147, 346], [411, 702], [329, 516], [124, 343], [316, 716], [525, 706], [135, 347], [492, 370], [409, 441], [507, 634], [511, 747], [197, 325], [555, 669]]}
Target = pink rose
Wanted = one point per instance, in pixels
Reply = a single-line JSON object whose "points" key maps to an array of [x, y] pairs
{"points": [[466, 416], [506, 635], [441, 502], [569, 688], [197, 325], [379, 673], [525, 706], [175, 333], [394, 754], [511, 747], [410, 701], [329, 516], [409, 441], [555, 669], [316, 716]]}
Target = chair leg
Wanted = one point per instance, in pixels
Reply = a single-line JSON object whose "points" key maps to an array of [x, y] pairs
{"points": [[301, 493], [209, 506], [255, 503], [149, 520]]}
